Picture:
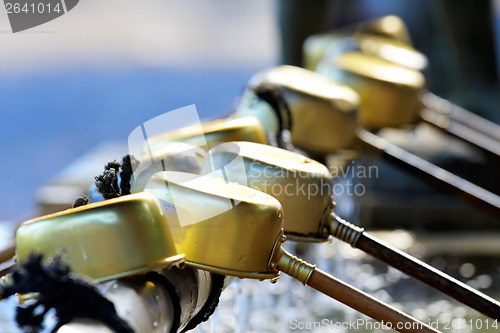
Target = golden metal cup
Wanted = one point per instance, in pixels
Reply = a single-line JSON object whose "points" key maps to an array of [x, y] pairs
{"points": [[221, 227], [211, 133], [382, 47], [301, 185], [391, 50], [185, 149], [104, 240], [323, 112], [390, 28], [389, 93]]}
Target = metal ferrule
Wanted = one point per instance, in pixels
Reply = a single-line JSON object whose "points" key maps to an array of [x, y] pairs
{"points": [[344, 230], [175, 156], [293, 266]]}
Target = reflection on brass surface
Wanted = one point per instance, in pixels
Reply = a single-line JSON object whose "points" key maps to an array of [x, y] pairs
{"points": [[389, 93], [104, 240], [302, 185], [212, 133], [173, 156], [390, 28], [324, 113]]}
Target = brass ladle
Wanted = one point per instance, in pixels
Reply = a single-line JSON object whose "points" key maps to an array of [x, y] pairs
{"points": [[324, 120], [105, 240], [392, 95], [303, 186], [232, 229]]}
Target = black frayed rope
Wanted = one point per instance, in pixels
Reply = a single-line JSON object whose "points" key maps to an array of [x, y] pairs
{"points": [[273, 95], [107, 182], [58, 289], [129, 164], [115, 180]]}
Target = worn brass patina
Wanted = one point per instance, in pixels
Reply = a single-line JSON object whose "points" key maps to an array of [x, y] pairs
{"points": [[302, 185], [315, 102], [104, 240]]}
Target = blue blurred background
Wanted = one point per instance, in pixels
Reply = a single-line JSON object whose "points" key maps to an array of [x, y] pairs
{"points": [[50, 119]]}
